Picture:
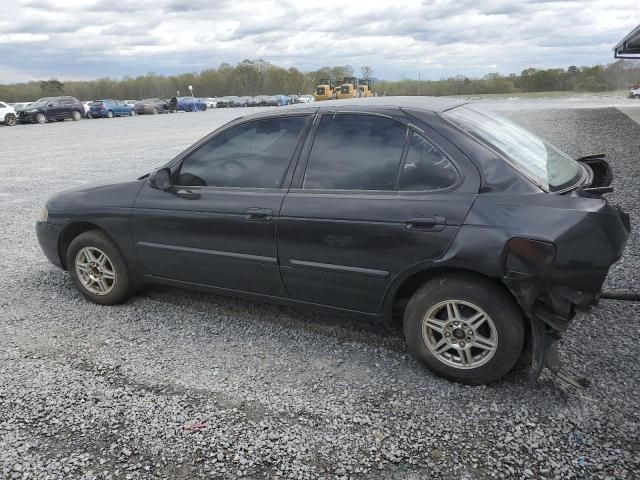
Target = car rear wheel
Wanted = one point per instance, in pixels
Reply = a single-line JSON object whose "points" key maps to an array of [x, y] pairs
{"points": [[132, 113], [76, 115], [154, 111], [464, 328], [109, 114], [98, 269], [10, 119], [41, 118]]}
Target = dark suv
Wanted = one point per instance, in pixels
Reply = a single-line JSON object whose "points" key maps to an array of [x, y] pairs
{"points": [[474, 230], [49, 109]]}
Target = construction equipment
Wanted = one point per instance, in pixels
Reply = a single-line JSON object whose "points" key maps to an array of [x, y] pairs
{"points": [[348, 89], [365, 86], [326, 89]]}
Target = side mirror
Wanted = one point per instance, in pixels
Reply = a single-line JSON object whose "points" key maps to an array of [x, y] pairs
{"points": [[160, 178]]}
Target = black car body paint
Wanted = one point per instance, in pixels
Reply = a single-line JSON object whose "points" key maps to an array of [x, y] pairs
{"points": [[355, 251]]}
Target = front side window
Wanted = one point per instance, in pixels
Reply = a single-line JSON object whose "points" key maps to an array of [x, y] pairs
{"points": [[355, 152], [255, 154], [543, 163], [425, 167]]}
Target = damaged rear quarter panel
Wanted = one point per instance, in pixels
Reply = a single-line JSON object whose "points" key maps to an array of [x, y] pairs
{"points": [[587, 233]]}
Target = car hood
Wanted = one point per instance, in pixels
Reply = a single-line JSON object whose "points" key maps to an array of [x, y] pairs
{"points": [[117, 192]]}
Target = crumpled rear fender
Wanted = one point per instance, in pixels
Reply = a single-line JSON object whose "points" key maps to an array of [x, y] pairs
{"points": [[552, 252]]}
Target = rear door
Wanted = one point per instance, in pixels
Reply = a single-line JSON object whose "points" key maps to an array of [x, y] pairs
{"points": [[375, 198], [216, 225]]}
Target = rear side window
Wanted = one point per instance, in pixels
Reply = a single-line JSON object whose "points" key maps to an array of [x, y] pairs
{"points": [[355, 152], [425, 167], [255, 154]]}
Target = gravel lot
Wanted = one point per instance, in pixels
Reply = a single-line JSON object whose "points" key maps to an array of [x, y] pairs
{"points": [[176, 384]]}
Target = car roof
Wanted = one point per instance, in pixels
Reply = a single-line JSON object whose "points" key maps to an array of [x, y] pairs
{"points": [[432, 104]]}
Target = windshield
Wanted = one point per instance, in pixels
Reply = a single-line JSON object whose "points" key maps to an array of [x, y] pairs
{"points": [[41, 101], [541, 162]]}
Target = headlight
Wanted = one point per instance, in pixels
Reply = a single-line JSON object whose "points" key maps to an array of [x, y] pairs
{"points": [[44, 215]]}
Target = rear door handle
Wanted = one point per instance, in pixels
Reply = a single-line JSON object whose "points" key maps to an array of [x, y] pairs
{"points": [[426, 224], [257, 214]]}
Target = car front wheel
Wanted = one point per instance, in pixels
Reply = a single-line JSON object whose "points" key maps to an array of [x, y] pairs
{"points": [[10, 120], [109, 114], [464, 328], [98, 269], [41, 118], [76, 115]]}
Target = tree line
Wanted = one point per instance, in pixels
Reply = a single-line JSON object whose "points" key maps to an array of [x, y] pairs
{"points": [[257, 77]]}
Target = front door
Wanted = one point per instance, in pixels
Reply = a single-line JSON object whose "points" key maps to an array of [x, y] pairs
{"points": [[216, 225], [376, 199]]}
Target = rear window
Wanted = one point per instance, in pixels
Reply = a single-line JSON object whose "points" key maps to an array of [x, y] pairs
{"points": [[543, 163], [426, 168]]}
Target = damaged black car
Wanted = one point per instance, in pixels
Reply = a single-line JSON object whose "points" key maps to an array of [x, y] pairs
{"points": [[482, 237]]}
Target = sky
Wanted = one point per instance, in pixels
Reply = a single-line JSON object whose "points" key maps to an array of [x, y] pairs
{"points": [[85, 39]]}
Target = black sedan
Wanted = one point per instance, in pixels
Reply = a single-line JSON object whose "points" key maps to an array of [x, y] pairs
{"points": [[153, 106], [482, 236]]}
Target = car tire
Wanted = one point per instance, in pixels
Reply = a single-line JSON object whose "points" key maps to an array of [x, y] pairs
{"points": [[132, 113], [109, 114], [637, 97], [10, 119], [40, 118], [154, 111], [98, 269], [76, 115], [464, 328]]}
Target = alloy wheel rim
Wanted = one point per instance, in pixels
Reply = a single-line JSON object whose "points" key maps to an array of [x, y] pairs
{"points": [[41, 118], [11, 120], [95, 270], [460, 334]]}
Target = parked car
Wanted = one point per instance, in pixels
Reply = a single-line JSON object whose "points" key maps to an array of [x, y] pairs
{"points": [[18, 106], [293, 99], [49, 109], [131, 102], [226, 102], [190, 104], [110, 108], [277, 100], [211, 102], [306, 99], [241, 101], [154, 106], [476, 231], [7, 114]]}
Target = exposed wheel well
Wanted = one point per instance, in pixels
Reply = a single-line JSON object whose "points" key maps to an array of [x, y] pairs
{"points": [[71, 232], [409, 286]]}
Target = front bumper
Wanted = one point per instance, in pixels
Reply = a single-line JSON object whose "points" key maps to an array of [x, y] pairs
{"points": [[24, 117], [49, 239]]}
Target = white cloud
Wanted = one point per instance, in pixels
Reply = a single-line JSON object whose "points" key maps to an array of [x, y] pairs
{"points": [[80, 38]]}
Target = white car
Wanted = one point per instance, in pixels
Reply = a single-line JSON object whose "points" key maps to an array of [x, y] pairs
{"points": [[306, 99], [211, 102], [634, 93], [7, 114]]}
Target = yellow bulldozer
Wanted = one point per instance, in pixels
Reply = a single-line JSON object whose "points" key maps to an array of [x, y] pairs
{"points": [[365, 86], [348, 89], [326, 89]]}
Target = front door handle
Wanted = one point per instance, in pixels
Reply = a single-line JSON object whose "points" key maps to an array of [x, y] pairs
{"points": [[184, 193], [426, 224], [258, 214]]}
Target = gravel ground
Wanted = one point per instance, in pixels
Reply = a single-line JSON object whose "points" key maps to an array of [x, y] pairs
{"points": [[176, 384]]}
